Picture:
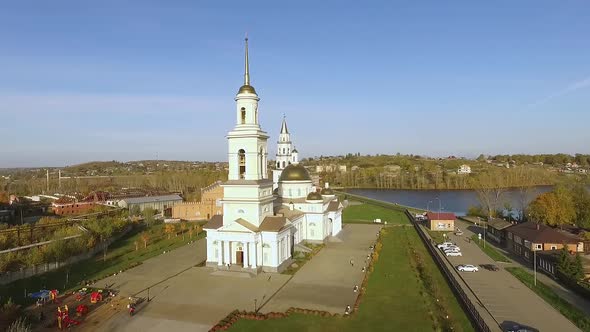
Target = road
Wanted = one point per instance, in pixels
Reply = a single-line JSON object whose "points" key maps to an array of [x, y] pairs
{"points": [[505, 297]]}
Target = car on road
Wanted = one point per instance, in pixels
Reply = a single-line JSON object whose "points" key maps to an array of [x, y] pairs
{"points": [[452, 249], [444, 245], [467, 268], [459, 232], [490, 267], [453, 254]]}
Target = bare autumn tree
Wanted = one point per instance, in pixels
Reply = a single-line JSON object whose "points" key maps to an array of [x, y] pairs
{"points": [[145, 237], [182, 229], [490, 187]]}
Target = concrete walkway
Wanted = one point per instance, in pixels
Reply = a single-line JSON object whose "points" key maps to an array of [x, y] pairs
{"points": [[326, 282]]}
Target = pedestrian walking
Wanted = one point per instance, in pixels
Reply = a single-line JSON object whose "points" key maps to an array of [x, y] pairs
{"points": [[351, 263]]}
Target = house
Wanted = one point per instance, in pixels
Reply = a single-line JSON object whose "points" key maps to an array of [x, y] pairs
{"points": [[527, 237], [438, 221], [464, 169], [547, 261], [496, 230]]}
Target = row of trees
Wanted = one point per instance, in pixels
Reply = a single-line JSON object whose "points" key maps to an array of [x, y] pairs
{"points": [[569, 266], [59, 249], [566, 204]]}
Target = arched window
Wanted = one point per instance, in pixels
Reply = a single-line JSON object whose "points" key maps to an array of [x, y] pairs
{"points": [[278, 164], [283, 164], [243, 115], [242, 163], [261, 162]]}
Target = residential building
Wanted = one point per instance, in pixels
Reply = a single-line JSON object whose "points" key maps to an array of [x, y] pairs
{"points": [[464, 169], [496, 230], [523, 239], [441, 221]]}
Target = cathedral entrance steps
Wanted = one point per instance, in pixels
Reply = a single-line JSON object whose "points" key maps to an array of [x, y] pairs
{"points": [[300, 247], [335, 239], [235, 274]]}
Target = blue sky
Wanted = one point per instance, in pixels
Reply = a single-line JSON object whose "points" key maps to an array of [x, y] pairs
{"points": [[129, 80]]}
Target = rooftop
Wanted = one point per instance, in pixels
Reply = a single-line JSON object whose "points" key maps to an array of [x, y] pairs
{"points": [[541, 233], [151, 199], [440, 216]]}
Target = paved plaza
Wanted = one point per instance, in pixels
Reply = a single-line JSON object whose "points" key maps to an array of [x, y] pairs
{"points": [[184, 297], [326, 282]]}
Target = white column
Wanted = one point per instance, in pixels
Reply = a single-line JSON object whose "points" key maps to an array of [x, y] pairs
{"points": [[289, 245], [246, 253], [227, 252], [220, 252], [253, 253]]}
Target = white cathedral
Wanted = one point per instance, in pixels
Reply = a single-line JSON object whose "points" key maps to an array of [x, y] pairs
{"points": [[263, 220]]}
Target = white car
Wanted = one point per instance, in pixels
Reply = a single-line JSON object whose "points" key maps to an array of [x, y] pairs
{"points": [[444, 245], [452, 249], [467, 268], [453, 254]]}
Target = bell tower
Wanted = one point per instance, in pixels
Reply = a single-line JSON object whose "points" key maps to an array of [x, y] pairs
{"points": [[247, 194]]}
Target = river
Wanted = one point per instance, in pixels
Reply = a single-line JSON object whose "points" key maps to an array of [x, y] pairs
{"points": [[457, 201]]}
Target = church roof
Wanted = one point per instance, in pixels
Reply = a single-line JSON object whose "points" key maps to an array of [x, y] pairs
{"points": [[215, 222], [290, 214], [294, 172], [314, 196], [247, 225], [334, 206], [273, 224], [284, 129]]}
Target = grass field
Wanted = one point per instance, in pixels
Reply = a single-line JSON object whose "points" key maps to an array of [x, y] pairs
{"points": [[401, 295], [570, 312], [490, 250], [120, 255], [366, 213]]}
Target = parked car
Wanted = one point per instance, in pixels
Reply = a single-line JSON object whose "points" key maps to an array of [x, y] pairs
{"points": [[452, 250], [453, 254], [490, 267], [444, 245], [452, 247], [467, 268], [458, 232]]}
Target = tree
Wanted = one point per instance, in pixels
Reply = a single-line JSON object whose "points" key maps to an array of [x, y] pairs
{"points": [[577, 268], [581, 199], [169, 229], [4, 197], [145, 237], [148, 215], [564, 265], [182, 229], [553, 208]]}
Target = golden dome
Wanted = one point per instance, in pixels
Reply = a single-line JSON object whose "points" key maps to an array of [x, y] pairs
{"points": [[327, 191], [246, 88], [294, 172], [314, 196]]}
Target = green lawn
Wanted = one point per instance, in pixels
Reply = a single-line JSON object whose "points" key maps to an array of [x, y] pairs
{"points": [[120, 255], [366, 213], [490, 250], [401, 296], [566, 309]]}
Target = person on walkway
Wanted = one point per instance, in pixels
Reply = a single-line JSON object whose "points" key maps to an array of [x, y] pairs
{"points": [[351, 262]]}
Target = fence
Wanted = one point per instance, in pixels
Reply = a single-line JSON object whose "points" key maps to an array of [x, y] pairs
{"points": [[456, 287], [10, 276]]}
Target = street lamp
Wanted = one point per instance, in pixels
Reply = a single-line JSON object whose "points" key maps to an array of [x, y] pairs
{"points": [[428, 206], [439, 205]]}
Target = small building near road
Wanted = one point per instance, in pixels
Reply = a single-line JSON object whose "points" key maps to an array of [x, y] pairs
{"points": [[438, 221], [209, 205], [464, 169], [523, 239], [158, 203], [496, 230]]}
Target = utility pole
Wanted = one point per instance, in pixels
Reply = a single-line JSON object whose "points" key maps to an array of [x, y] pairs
{"points": [[47, 181], [59, 179], [535, 264]]}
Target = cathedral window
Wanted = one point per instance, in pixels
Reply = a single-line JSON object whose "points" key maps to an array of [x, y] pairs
{"points": [[283, 164], [243, 115], [278, 164], [240, 211], [242, 163]]}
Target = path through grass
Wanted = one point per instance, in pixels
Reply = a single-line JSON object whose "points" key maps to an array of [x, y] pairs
{"points": [[366, 213]]}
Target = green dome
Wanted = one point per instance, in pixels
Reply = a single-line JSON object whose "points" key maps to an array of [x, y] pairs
{"points": [[294, 172], [314, 196], [247, 89], [327, 191]]}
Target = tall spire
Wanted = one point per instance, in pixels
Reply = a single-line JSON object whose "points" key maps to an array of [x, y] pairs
{"points": [[284, 129], [246, 66]]}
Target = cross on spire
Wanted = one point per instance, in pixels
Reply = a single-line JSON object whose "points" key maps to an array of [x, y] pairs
{"points": [[246, 65]]}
